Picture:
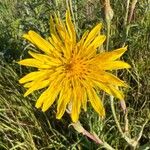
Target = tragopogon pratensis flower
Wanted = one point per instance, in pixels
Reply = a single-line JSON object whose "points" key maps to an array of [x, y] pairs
{"points": [[70, 70]]}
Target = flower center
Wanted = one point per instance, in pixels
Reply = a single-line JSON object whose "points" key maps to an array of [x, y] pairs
{"points": [[76, 67]]}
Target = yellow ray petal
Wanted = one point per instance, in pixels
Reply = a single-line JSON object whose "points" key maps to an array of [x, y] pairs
{"points": [[96, 102], [94, 32], [63, 33], [75, 110], [80, 47], [48, 97], [53, 93], [57, 18], [33, 63], [41, 43], [56, 42], [63, 48], [110, 90], [29, 84], [49, 75], [34, 75], [84, 36], [116, 93], [113, 80], [108, 78], [38, 56], [52, 26], [65, 89], [84, 99], [76, 101], [36, 86], [90, 51], [45, 58], [70, 27], [63, 100], [61, 110], [113, 55], [26, 36], [113, 65], [98, 41], [43, 97]]}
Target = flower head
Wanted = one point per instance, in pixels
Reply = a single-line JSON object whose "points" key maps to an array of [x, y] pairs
{"points": [[71, 71]]}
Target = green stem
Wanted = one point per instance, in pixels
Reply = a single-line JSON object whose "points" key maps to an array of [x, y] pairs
{"points": [[127, 12], [79, 128], [108, 35], [114, 115], [107, 146], [130, 141], [132, 10]]}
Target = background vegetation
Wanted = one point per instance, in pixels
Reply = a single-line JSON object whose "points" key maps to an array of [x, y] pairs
{"points": [[22, 127]]}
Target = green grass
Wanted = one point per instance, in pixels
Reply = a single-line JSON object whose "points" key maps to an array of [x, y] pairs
{"points": [[24, 127]]}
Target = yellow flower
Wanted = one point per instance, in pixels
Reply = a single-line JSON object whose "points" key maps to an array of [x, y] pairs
{"points": [[71, 71]]}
